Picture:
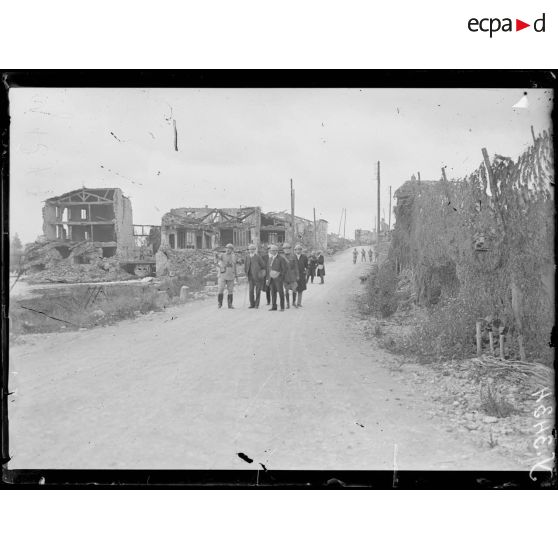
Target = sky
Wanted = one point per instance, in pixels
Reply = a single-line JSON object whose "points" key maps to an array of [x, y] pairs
{"points": [[241, 147]]}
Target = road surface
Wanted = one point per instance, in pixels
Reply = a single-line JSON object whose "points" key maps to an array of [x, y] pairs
{"points": [[191, 387]]}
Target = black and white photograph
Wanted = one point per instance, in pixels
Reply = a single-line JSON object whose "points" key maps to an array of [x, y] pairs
{"points": [[281, 279]]}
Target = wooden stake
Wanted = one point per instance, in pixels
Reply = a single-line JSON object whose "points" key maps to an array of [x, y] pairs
{"points": [[479, 340], [502, 338], [489, 171], [491, 339], [533, 134], [522, 355], [444, 174]]}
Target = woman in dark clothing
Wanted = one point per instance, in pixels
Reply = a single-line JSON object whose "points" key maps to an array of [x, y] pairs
{"points": [[321, 267], [312, 264]]}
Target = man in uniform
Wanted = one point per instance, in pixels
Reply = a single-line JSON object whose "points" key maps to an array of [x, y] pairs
{"points": [[255, 269], [276, 271], [227, 275], [290, 281]]}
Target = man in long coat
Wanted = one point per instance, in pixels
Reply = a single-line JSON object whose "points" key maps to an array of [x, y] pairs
{"points": [[302, 262], [255, 269], [276, 272]]}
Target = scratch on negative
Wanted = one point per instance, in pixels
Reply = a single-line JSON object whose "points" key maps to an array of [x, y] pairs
{"points": [[45, 314]]}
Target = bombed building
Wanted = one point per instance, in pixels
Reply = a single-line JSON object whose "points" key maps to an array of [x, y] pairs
{"points": [[88, 235], [210, 228], [101, 216]]}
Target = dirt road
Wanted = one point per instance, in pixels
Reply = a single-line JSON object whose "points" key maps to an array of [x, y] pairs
{"points": [[193, 386]]}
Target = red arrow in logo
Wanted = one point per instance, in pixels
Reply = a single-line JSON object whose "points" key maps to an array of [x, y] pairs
{"points": [[519, 25]]}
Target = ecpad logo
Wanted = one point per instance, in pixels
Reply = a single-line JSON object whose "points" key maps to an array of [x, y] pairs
{"points": [[494, 24]]}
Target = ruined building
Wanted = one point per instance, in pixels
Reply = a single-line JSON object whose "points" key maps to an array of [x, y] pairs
{"points": [[363, 236], [101, 216], [206, 228], [89, 236]]}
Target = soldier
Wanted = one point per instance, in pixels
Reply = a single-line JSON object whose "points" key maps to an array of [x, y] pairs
{"points": [[276, 271], [290, 282], [370, 254], [227, 275], [255, 269], [363, 255], [355, 255]]}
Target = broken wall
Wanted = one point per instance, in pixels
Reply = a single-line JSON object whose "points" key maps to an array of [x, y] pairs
{"points": [[123, 225]]}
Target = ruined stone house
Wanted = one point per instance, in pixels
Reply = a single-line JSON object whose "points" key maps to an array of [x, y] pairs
{"points": [[209, 228], [102, 216], [363, 236]]}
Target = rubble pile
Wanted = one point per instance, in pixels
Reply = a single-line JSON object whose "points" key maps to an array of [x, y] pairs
{"points": [[61, 262], [194, 265]]}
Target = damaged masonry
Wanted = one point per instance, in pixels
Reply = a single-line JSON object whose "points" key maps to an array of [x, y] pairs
{"points": [[89, 235], [194, 229]]}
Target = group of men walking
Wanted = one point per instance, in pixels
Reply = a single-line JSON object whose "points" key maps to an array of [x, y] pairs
{"points": [[280, 273], [372, 256]]}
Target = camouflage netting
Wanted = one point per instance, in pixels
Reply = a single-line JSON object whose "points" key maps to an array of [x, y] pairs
{"points": [[488, 240]]}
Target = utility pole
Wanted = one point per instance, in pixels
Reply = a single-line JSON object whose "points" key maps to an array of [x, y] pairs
{"points": [[315, 241], [378, 222], [340, 221], [292, 213], [345, 223], [389, 218]]}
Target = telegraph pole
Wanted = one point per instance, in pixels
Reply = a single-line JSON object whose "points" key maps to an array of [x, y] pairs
{"points": [[378, 221], [315, 241], [292, 213], [345, 223]]}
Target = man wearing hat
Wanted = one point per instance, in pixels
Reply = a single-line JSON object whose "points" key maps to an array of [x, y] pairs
{"points": [[290, 282], [227, 275], [255, 269], [276, 271], [302, 263]]}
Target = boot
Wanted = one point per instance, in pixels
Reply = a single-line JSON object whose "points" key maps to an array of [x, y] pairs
{"points": [[287, 299], [229, 300], [294, 300], [219, 300], [299, 305]]}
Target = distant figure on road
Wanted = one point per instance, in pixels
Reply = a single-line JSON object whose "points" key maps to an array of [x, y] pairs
{"points": [[227, 275], [312, 264], [255, 269], [276, 271], [355, 255], [376, 254], [363, 255], [321, 267], [302, 261], [370, 254], [290, 282]]}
